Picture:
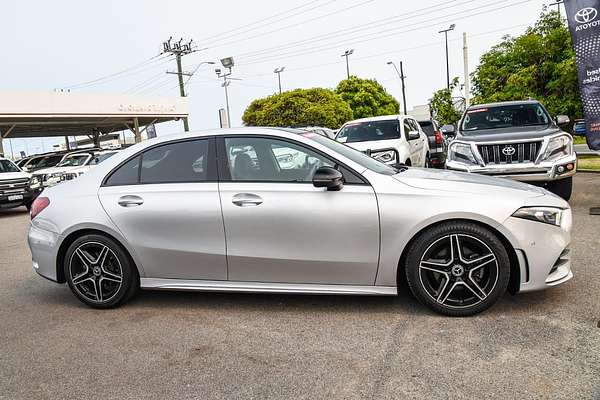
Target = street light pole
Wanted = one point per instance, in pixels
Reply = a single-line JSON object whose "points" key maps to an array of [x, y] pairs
{"points": [[557, 4], [346, 54], [401, 76], [445, 32], [278, 71]]}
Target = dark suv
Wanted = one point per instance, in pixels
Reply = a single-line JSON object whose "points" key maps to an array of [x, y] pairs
{"points": [[438, 145]]}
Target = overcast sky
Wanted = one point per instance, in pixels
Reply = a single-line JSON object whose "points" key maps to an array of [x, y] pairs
{"points": [[59, 44]]}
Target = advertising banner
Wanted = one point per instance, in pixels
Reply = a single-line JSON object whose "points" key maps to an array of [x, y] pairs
{"points": [[584, 24]]}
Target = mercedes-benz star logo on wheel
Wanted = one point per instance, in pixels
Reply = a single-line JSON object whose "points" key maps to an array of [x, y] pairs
{"points": [[508, 151], [586, 15]]}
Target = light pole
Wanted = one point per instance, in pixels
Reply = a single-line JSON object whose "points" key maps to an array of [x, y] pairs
{"points": [[445, 32], [346, 54], [401, 76], [227, 63], [278, 71], [557, 4]]}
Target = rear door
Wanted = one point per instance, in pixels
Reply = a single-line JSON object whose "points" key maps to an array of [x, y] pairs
{"points": [[165, 201]]}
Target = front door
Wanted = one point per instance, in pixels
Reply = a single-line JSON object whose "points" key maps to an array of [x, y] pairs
{"points": [[280, 228], [169, 210]]}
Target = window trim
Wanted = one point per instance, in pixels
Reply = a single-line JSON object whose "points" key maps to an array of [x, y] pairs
{"points": [[212, 173], [224, 173]]}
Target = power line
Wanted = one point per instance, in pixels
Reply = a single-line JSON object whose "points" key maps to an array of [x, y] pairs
{"points": [[350, 42]]}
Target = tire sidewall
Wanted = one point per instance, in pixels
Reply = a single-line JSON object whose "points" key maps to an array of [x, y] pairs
{"points": [[431, 235], [129, 273]]}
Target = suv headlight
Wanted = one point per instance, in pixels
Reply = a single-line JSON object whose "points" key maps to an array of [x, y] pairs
{"points": [[558, 147], [461, 152], [547, 215], [35, 182], [384, 156]]}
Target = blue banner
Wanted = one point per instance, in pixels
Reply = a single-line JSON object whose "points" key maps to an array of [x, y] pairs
{"points": [[584, 23]]}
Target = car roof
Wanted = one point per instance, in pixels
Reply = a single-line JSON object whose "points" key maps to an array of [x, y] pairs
{"points": [[503, 103]]}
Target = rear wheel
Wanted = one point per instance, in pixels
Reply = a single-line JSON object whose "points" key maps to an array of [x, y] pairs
{"points": [[562, 188], [457, 268], [99, 272]]}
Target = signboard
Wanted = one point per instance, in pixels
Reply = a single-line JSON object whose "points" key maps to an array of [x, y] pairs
{"points": [[151, 131], [584, 23]]}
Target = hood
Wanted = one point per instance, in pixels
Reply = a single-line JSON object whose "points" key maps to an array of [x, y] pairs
{"points": [[444, 180], [53, 170], [508, 134], [374, 145], [14, 175]]}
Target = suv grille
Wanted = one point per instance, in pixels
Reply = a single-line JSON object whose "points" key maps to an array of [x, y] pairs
{"points": [[508, 153], [13, 185]]}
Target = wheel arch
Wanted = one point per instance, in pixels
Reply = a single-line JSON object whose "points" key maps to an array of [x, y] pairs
{"points": [[72, 236], [515, 271]]}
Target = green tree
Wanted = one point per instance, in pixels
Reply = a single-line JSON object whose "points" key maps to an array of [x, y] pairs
{"points": [[539, 64], [300, 107], [442, 105], [367, 98]]}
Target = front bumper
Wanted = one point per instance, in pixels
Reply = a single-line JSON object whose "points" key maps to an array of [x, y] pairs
{"points": [[543, 252], [44, 247], [543, 171], [9, 200]]}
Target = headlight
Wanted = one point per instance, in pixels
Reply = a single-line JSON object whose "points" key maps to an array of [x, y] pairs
{"points": [[384, 156], [461, 152], [34, 182], [547, 215], [69, 175], [56, 175], [558, 147]]}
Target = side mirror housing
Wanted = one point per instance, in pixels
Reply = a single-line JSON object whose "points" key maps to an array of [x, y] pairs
{"points": [[563, 120], [448, 130], [412, 135], [328, 177]]}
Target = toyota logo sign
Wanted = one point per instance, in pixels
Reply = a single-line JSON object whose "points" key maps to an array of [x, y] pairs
{"points": [[508, 151], [586, 15]]}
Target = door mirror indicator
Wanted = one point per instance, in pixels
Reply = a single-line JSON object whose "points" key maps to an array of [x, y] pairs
{"points": [[328, 177]]}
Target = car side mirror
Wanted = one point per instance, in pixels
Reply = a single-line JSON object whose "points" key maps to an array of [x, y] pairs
{"points": [[448, 130], [563, 120], [342, 139], [328, 177], [412, 135]]}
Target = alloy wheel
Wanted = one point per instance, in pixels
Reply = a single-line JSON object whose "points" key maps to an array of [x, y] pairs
{"points": [[95, 272], [458, 271]]}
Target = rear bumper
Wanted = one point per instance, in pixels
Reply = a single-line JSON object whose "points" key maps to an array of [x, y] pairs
{"points": [[44, 247], [525, 172]]}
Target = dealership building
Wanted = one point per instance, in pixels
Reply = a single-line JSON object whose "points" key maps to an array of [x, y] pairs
{"points": [[94, 115]]}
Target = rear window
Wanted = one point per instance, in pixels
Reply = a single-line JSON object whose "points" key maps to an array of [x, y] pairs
{"points": [[427, 127]]}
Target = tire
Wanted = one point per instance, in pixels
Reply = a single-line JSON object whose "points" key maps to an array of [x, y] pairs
{"points": [[562, 188], [427, 162], [457, 284], [95, 262]]}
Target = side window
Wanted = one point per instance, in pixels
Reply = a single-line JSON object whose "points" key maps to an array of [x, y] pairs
{"points": [[176, 162], [127, 174], [271, 160], [407, 127]]}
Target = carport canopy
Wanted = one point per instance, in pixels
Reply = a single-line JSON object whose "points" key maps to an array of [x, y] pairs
{"points": [[45, 114]]}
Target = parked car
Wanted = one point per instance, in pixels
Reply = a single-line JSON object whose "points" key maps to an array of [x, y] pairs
{"points": [[438, 145], [155, 215], [391, 139], [97, 158], [517, 140], [70, 163], [330, 133], [17, 188], [579, 127]]}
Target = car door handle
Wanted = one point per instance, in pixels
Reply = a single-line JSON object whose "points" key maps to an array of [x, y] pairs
{"points": [[130, 201], [246, 199]]}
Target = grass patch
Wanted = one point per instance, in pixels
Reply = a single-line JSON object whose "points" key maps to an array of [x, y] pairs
{"points": [[589, 163], [579, 139]]}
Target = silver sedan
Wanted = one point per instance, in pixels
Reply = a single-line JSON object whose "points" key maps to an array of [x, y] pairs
{"points": [[275, 210]]}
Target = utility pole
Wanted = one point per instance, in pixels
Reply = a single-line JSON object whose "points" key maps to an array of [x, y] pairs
{"points": [[466, 65], [445, 32], [346, 54], [278, 71], [401, 76], [179, 49]]}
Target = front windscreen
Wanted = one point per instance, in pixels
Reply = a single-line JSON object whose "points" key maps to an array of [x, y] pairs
{"points": [[8, 166], [369, 131], [74, 161], [508, 116]]}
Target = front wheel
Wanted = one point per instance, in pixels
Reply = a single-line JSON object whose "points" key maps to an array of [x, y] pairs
{"points": [[99, 272], [562, 188], [457, 268]]}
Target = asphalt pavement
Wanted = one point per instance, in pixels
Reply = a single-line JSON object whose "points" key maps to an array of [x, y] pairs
{"points": [[543, 345]]}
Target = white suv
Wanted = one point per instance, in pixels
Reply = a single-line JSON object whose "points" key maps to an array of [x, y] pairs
{"points": [[391, 139]]}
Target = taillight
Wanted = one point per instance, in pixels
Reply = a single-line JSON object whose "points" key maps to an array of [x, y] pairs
{"points": [[38, 206], [439, 139]]}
